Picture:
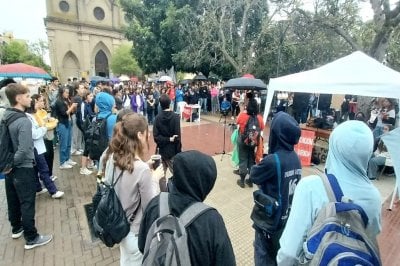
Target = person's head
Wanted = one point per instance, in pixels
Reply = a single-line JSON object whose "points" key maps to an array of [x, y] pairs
{"points": [[388, 103], [63, 93], [252, 107], [37, 103], [3, 98], [387, 128], [360, 117], [18, 96], [54, 81], [284, 134], [165, 101], [118, 103], [130, 138], [194, 174], [87, 96], [123, 113], [104, 102], [350, 148]]}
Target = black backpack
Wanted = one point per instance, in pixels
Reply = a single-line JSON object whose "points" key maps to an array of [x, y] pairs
{"points": [[96, 136], [6, 148], [252, 132], [109, 221]]}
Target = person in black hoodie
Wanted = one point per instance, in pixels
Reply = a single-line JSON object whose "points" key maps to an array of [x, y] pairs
{"points": [[193, 178], [284, 134], [167, 135]]}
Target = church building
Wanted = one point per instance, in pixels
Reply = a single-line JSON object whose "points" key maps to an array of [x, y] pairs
{"points": [[82, 35]]}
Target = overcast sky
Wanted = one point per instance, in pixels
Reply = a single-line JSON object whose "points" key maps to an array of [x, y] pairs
{"points": [[24, 18]]}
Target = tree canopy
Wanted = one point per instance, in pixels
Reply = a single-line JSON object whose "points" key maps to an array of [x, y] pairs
{"points": [[233, 37], [20, 52], [123, 62]]}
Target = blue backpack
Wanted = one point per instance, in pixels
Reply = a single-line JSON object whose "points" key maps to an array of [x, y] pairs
{"points": [[338, 235]]}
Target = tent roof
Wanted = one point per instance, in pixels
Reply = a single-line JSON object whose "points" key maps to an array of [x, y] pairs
{"points": [[356, 74]]}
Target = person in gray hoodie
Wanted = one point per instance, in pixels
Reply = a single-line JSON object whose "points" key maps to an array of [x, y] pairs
{"points": [[20, 180]]}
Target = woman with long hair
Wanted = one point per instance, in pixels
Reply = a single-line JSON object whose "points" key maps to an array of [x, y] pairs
{"points": [[135, 188], [39, 130], [64, 109]]}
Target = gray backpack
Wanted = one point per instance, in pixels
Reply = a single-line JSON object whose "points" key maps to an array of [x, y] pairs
{"points": [[166, 241], [338, 235]]}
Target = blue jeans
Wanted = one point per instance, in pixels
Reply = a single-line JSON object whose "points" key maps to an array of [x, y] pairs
{"points": [[203, 104], [42, 170], [65, 134], [373, 166]]}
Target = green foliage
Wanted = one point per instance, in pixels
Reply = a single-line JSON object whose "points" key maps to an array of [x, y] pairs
{"points": [[123, 62], [20, 52]]}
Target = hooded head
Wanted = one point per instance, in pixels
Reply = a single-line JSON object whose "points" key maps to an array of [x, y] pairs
{"points": [[284, 134], [194, 174], [350, 148], [105, 102]]}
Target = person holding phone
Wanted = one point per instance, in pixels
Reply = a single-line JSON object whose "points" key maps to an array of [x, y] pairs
{"points": [[63, 110]]}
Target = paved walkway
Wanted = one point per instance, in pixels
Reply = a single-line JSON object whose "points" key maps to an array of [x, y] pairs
{"points": [[66, 219]]}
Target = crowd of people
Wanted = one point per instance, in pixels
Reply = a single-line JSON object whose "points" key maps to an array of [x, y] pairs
{"points": [[57, 114]]}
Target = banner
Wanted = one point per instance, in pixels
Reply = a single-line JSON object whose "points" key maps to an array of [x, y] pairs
{"points": [[305, 146]]}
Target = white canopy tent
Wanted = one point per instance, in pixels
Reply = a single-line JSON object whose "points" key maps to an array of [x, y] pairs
{"points": [[356, 74]]}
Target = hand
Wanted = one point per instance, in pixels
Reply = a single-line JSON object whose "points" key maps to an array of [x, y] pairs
{"points": [[172, 139]]}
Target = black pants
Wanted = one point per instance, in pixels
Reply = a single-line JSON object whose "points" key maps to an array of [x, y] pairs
{"points": [[21, 193], [49, 154]]}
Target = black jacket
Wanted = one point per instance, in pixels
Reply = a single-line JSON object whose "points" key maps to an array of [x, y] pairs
{"points": [[194, 177], [285, 133], [167, 124]]}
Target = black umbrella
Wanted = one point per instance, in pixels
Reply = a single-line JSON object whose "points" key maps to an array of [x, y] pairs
{"points": [[200, 77], [185, 81], [245, 83]]}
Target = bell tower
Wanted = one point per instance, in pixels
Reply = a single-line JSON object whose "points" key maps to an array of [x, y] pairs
{"points": [[82, 36]]}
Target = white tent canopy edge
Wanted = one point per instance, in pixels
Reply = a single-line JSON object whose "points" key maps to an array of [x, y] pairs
{"points": [[356, 74]]}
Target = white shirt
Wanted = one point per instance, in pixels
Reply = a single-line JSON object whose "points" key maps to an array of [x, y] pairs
{"points": [[37, 135]]}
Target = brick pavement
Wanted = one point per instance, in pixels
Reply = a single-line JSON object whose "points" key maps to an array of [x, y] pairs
{"points": [[66, 219]]}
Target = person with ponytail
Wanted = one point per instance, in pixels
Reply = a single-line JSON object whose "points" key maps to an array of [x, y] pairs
{"points": [[135, 188]]}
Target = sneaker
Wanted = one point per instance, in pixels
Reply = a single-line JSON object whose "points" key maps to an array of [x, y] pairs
{"points": [[236, 172], [72, 152], [44, 190], [65, 166], [90, 165], [248, 182], [53, 178], [77, 153], [39, 241], [57, 195], [240, 183], [18, 233], [70, 162], [85, 171]]}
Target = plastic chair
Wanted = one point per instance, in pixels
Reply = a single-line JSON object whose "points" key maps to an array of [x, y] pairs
{"points": [[181, 106]]}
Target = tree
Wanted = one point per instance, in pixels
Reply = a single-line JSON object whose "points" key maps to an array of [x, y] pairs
{"points": [[123, 62], [20, 52]]}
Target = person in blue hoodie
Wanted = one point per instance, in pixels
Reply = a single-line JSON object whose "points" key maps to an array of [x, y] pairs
{"points": [[284, 134], [350, 148], [105, 103]]}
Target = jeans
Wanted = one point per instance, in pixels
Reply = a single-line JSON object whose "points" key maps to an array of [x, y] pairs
{"points": [[77, 137], [203, 104], [21, 193], [130, 254], [266, 248], [65, 141], [373, 166], [42, 170]]}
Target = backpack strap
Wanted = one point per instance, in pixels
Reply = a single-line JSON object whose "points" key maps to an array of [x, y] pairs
{"points": [[118, 178], [332, 188], [279, 175], [164, 205], [342, 204], [192, 212]]}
